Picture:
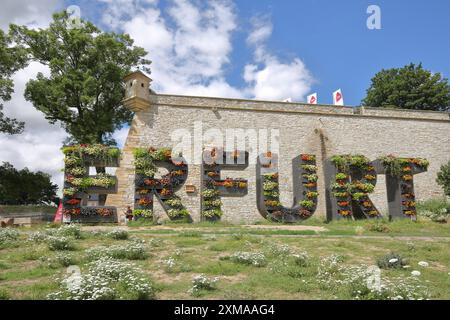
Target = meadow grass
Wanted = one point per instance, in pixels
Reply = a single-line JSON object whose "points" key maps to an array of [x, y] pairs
{"points": [[206, 249]]}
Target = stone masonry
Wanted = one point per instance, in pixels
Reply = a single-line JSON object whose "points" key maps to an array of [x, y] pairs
{"points": [[323, 130]]}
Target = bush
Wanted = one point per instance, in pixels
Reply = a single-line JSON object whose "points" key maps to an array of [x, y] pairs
{"points": [[130, 251], [67, 230], [301, 259], [59, 243], [443, 178], [8, 235], [202, 282], [378, 225], [118, 234], [256, 259], [391, 261], [61, 259], [437, 210], [64, 259], [4, 294], [277, 250], [37, 237], [106, 279], [333, 275]]}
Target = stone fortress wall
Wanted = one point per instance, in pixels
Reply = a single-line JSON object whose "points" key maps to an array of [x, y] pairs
{"points": [[323, 130]]}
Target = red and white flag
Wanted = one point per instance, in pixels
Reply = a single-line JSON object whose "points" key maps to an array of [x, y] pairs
{"points": [[312, 98], [338, 98]]}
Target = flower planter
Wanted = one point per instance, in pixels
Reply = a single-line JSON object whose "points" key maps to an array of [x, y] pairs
{"points": [[96, 162], [103, 190], [95, 218]]}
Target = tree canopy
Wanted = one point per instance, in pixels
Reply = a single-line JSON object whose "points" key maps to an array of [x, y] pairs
{"points": [[84, 89], [21, 187], [12, 58], [443, 178], [409, 87]]}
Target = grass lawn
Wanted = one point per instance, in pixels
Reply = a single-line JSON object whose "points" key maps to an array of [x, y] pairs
{"points": [[296, 262]]}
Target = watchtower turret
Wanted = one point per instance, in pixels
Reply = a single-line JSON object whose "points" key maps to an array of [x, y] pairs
{"points": [[137, 91]]}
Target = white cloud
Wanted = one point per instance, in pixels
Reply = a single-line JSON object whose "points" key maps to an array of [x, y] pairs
{"points": [[269, 78], [190, 46], [38, 147], [262, 28], [31, 13], [121, 10], [277, 81]]}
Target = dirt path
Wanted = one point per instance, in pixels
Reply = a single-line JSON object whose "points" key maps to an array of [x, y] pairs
{"points": [[254, 227], [321, 232]]}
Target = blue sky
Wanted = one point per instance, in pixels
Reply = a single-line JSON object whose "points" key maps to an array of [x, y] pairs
{"points": [[253, 49], [332, 39]]}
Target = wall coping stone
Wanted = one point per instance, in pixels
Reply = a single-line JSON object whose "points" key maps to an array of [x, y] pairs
{"points": [[216, 103]]}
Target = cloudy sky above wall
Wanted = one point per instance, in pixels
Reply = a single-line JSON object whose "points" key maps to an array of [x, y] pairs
{"points": [[247, 49]]}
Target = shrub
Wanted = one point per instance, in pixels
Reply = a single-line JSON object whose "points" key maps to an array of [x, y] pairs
{"points": [[256, 259], [67, 230], [130, 251], [443, 178], [378, 225], [354, 279], [4, 294], [410, 288], [61, 259], [279, 250], [437, 210], [8, 235], [202, 282], [290, 264], [169, 265], [37, 237], [65, 259], [329, 271], [59, 243], [156, 242], [301, 259], [391, 261], [106, 279], [118, 234]]}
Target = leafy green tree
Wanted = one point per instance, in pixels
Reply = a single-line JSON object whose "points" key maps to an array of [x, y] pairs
{"points": [[410, 87], [22, 187], [443, 178], [12, 58], [84, 90]]}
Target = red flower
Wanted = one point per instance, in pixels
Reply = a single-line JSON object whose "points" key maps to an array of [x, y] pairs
{"points": [[73, 201], [308, 157]]}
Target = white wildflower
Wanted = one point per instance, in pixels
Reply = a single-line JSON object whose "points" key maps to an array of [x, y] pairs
{"points": [[423, 264]]}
